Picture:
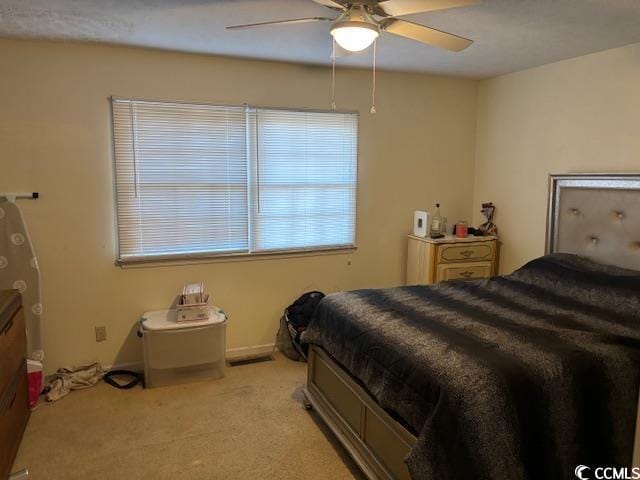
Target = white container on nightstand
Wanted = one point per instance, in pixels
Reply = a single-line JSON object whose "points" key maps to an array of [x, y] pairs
{"points": [[178, 352], [421, 223]]}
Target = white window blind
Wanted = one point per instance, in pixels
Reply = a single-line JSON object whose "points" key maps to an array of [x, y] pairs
{"points": [[181, 178], [303, 180], [200, 180]]}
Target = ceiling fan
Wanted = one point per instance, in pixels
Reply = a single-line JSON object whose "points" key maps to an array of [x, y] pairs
{"points": [[360, 22]]}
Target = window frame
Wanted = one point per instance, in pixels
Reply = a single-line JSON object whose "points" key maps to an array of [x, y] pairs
{"points": [[207, 257]]}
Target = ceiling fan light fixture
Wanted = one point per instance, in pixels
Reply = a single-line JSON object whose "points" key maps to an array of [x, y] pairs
{"points": [[354, 36]]}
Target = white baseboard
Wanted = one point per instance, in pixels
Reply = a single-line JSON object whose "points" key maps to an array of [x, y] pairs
{"points": [[238, 353], [131, 366]]}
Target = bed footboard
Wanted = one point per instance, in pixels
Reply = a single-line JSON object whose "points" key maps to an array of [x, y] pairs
{"points": [[376, 442]]}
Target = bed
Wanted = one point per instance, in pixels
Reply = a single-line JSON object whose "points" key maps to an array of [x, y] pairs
{"points": [[521, 376]]}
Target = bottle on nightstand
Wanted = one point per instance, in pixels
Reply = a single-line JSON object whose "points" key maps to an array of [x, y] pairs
{"points": [[438, 228]]}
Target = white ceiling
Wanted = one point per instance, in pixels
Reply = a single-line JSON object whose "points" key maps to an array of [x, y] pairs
{"points": [[509, 35]]}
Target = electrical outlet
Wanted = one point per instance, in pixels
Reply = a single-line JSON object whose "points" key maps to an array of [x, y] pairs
{"points": [[101, 334]]}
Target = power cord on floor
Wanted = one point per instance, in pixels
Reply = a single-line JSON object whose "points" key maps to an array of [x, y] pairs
{"points": [[137, 378]]}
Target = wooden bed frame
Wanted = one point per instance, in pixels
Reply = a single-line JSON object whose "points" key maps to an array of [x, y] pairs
{"points": [[376, 441]]}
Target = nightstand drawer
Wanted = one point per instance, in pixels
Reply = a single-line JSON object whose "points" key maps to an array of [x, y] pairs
{"points": [[481, 251], [468, 271]]}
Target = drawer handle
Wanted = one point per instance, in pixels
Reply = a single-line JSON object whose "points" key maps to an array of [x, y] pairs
{"points": [[6, 405], [7, 327], [466, 274], [466, 253]]}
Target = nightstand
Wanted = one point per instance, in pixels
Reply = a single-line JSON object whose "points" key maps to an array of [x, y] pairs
{"points": [[450, 258]]}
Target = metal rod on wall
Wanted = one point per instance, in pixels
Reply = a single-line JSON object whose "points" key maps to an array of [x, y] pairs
{"points": [[11, 196]]}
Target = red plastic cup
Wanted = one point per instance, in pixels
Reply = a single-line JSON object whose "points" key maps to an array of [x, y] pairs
{"points": [[34, 380], [462, 230]]}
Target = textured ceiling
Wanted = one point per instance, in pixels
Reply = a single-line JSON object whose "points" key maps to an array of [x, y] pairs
{"points": [[509, 35]]}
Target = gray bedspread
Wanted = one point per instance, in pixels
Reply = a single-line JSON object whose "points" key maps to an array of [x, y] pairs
{"points": [[523, 376]]}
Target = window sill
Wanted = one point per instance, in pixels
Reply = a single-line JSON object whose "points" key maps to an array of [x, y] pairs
{"points": [[196, 259]]}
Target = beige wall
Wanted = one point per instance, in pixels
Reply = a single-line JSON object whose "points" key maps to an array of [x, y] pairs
{"points": [[579, 115], [55, 138]]}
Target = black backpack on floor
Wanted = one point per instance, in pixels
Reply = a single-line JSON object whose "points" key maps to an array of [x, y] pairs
{"points": [[295, 320]]}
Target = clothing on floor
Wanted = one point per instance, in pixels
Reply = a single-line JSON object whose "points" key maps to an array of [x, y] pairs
{"points": [[67, 379]]}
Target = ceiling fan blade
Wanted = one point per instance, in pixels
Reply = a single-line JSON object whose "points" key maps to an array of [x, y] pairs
{"points": [[396, 8], [336, 5], [423, 34], [281, 22]]}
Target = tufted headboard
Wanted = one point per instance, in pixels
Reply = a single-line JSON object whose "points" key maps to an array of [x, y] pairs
{"points": [[596, 216]]}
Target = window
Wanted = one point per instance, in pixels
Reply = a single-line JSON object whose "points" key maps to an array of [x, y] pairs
{"points": [[200, 180], [303, 183]]}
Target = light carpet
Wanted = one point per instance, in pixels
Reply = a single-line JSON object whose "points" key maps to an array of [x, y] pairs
{"points": [[250, 424]]}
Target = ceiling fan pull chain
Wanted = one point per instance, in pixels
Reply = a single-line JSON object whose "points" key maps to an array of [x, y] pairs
{"points": [[333, 75], [373, 89]]}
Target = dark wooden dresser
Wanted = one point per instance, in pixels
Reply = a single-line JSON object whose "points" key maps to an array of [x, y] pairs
{"points": [[14, 408]]}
